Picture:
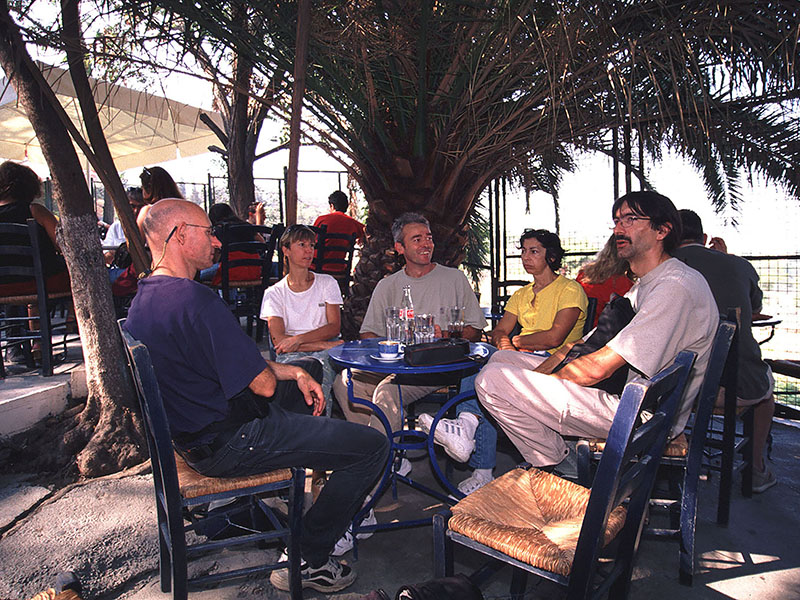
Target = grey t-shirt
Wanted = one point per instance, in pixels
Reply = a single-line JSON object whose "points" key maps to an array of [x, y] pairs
{"points": [[675, 311], [442, 287]]}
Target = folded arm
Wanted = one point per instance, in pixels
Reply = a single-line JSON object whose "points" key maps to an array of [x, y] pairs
{"points": [[310, 341]]}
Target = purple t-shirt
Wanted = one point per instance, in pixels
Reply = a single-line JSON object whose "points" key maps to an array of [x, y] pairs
{"points": [[200, 354]]}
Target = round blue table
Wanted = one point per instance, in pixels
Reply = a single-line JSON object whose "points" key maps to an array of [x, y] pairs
{"points": [[363, 355]]}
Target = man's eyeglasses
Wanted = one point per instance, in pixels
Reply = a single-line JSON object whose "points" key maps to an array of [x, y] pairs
{"points": [[627, 221], [209, 228]]}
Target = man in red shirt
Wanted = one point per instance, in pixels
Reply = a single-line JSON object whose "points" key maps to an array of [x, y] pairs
{"points": [[337, 221]]}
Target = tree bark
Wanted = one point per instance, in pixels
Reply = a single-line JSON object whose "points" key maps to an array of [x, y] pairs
{"points": [[107, 435]]}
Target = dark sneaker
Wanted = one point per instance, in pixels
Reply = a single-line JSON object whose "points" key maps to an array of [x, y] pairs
{"points": [[330, 577], [763, 480]]}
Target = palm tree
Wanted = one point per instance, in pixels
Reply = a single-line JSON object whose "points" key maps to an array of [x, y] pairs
{"points": [[426, 102]]}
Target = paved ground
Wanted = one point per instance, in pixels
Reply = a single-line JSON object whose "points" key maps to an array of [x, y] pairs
{"points": [[104, 530]]}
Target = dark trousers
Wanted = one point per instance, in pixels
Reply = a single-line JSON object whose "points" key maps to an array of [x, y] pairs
{"points": [[289, 436]]}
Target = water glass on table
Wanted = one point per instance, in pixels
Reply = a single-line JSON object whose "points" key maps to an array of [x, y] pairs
{"points": [[423, 329], [394, 324], [455, 321]]}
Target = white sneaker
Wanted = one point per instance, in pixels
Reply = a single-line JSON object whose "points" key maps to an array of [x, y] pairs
{"points": [[457, 436], [474, 482], [345, 543], [404, 468]]}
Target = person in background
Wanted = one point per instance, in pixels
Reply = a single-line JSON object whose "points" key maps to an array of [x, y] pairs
{"points": [[115, 236], [551, 311], [336, 221], [19, 187], [157, 184], [607, 274], [734, 283]]}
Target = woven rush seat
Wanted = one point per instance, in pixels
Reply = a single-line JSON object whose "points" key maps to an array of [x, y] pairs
{"points": [[541, 513], [676, 447], [194, 484]]}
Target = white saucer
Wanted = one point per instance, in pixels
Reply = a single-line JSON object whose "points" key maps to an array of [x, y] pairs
{"points": [[397, 356]]}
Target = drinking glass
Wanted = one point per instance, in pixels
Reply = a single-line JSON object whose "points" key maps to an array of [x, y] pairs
{"points": [[423, 329], [455, 321], [394, 325]]}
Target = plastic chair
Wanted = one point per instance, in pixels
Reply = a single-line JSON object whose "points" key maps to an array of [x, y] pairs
{"points": [[508, 518], [180, 490], [335, 249], [683, 457], [246, 266], [29, 253]]}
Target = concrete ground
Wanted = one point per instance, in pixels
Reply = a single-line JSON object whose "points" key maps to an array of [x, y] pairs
{"points": [[105, 530]]}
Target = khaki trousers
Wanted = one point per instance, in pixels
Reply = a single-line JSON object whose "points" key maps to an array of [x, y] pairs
{"points": [[381, 390], [536, 410]]}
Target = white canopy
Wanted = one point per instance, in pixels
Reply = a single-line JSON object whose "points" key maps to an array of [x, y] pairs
{"points": [[141, 128]]}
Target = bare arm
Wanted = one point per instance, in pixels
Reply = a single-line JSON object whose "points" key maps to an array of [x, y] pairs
{"points": [[550, 338], [589, 369], [311, 390], [47, 220], [367, 335], [471, 333], [552, 361], [316, 339], [264, 383], [500, 334]]}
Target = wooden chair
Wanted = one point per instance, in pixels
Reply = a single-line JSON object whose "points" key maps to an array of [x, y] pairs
{"points": [[246, 268], [44, 300], [683, 457], [335, 249], [182, 491], [556, 529]]}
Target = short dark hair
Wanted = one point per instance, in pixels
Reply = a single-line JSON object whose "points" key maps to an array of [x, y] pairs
{"points": [[406, 219], [551, 244], [339, 201], [18, 182], [692, 226], [220, 212], [659, 209]]}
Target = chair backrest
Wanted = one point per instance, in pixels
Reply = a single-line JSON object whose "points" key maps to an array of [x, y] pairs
{"points": [[721, 370], [591, 309], [241, 249], [20, 244], [627, 470], [502, 291], [335, 249], [156, 426]]}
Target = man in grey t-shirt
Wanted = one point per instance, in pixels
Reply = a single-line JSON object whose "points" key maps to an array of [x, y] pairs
{"points": [[433, 287]]}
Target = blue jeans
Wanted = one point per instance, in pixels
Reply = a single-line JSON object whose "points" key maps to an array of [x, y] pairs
{"points": [[328, 374], [288, 436], [485, 454]]}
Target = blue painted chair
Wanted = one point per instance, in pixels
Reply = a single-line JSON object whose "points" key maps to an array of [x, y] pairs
{"points": [[183, 492], [683, 458], [510, 518], [241, 253]]}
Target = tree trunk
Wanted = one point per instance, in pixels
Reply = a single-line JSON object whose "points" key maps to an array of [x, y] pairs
{"points": [[106, 435]]}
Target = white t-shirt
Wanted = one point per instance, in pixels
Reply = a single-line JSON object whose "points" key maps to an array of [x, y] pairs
{"points": [[675, 311], [114, 236], [301, 311]]}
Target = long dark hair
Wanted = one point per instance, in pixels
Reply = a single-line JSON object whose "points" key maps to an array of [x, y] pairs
{"points": [[157, 184]]}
